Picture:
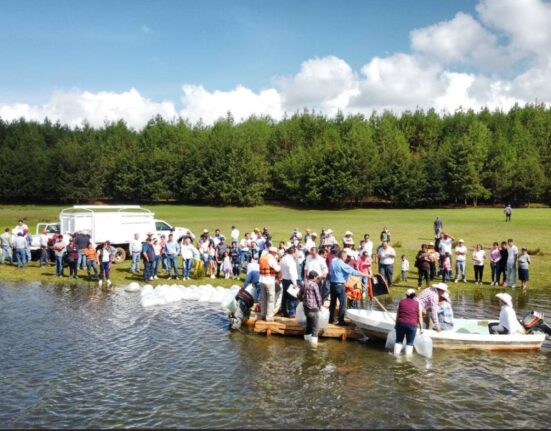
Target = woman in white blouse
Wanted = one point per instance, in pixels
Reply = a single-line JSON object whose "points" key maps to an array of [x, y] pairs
{"points": [[479, 256]]}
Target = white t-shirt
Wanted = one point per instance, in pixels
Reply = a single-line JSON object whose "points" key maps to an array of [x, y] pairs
{"points": [[404, 265], [445, 246], [309, 244], [512, 253], [105, 255], [317, 264], [479, 256], [43, 241], [245, 244], [460, 253], [187, 251], [234, 235], [289, 268], [135, 246], [368, 246], [386, 256]]}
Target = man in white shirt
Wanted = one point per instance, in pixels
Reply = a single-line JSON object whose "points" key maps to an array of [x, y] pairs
{"points": [[43, 243], [512, 256], [21, 227], [310, 241], [20, 246], [386, 255], [289, 277], [234, 234], [368, 245], [268, 268], [135, 251], [329, 238], [460, 257]]}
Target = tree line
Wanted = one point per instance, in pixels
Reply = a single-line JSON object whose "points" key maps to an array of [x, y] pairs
{"points": [[415, 159]]}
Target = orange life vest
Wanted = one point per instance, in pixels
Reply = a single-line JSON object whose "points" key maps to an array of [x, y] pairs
{"points": [[264, 264], [353, 288]]}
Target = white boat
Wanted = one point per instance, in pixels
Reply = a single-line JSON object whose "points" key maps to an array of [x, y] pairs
{"points": [[467, 334]]}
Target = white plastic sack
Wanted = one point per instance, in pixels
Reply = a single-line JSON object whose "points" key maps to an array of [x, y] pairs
{"points": [[132, 287], [423, 345], [229, 303], [299, 314], [323, 318], [390, 340]]}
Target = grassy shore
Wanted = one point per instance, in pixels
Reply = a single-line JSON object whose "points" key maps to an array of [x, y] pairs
{"points": [[530, 227]]}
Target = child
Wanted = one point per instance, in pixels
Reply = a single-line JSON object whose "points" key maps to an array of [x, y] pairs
{"points": [[405, 268], [234, 255], [523, 267], [447, 268], [310, 296], [227, 265]]}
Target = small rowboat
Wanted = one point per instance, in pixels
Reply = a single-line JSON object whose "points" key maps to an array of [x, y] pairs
{"points": [[467, 334]]}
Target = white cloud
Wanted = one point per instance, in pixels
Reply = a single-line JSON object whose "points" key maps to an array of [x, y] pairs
{"points": [[498, 57]]}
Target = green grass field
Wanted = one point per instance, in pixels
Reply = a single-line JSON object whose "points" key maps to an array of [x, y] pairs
{"points": [[530, 227]]}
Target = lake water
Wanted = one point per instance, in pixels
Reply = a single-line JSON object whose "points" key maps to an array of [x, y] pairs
{"points": [[82, 357]]}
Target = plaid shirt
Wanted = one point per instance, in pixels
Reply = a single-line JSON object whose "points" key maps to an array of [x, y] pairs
{"points": [[428, 299], [310, 295]]}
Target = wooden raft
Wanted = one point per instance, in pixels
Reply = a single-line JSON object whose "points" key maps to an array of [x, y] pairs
{"points": [[288, 326]]}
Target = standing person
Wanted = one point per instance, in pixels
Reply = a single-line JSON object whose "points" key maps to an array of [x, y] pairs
{"points": [[445, 243], [495, 257], [434, 259], [7, 246], [20, 245], [220, 252], [508, 211], [157, 260], [212, 259], [43, 243], [234, 234], [310, 241], [385, 235], [460, 258], [523, 267], [338, 275], [347, 240], [268, 266], [148, 254], [81, 241], [438, 226], [368, 245], [404, 266], [187, 251], [502, 264], [164, 263], [59, 252], [20, 227], [227, 267], [135, 250], [310, 296], [253, 277], [244, 249], [72, 257], [422, 262], [317, 263], [172, 250], [512, 255], [479, 256], [408, 318], [105, 257], [364, 265], [289, 275], [329, 238], [235, 261], [447, 268], [91, 260], [386, 255], [28, 237]]}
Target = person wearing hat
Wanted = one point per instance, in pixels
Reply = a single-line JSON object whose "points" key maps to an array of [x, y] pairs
{"points": [[445, 312], [460, 257], [347, 240], [508, 323], [148, 254], [310, 241], [408, 318], [329, 238], [268, 267], [43, 243], [429, 299]]}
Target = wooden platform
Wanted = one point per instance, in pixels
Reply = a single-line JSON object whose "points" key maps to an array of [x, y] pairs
{"points": [[290, 327]]}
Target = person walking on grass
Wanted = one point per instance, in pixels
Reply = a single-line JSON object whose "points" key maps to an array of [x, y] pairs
{"points": [[105, 257], [460, 258], [479, 256], [438, 226], [523, 268], [508, 212]]}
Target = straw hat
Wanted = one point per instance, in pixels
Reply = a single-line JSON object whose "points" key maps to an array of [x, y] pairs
{"points": [[348, 233], [506, 298], [314, 234], [272, 249], [461, 241], [446, 296], [329, 231], [441, 286]]}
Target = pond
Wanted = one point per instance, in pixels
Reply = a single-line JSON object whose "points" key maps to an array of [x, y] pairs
{"points": [[77, 356]]}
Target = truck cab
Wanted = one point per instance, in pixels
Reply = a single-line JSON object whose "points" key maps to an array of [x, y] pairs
{"points": [[164, 228]]}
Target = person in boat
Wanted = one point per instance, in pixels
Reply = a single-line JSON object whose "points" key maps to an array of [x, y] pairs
{"points": [[429, 299], [408, 318], [445, 312], [508, 323]]}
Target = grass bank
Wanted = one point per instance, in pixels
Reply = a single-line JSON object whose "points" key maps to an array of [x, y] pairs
{"points": [[530, 227]]}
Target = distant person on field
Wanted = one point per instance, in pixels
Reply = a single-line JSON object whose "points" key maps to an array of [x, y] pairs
{"points": [[385, 235], [508, 211], [7, 246], [438, 226], [523, 267]]}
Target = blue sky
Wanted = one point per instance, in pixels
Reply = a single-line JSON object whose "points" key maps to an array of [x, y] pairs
{"points": [[102, 60]]}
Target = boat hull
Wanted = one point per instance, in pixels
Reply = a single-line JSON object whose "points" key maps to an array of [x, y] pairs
{"points": [[468, 334]]}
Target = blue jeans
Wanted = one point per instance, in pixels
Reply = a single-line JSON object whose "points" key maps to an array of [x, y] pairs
{"points": [[135, 261], [288, 302], [244, 256], [460, 267], [105, 268], [21, 256], [6, 252], [156, 265], [172, 263], [386, 271], [511, 274], [58, 265], [147, 270], [252, 278], [81, 262], [337, 292], [408, 331], [27, 255]]}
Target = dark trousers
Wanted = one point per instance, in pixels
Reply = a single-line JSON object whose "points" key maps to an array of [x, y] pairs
{"points": [[387, 271], [478, 272], [312, 322], [288, 302], [147, 270], [502, 269], [337, 292], [324, 288], [432, 270], [423, 275], [43, 256], [494, 269], [408, 331]]}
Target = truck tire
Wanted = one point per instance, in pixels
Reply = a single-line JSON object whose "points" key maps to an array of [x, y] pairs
{"points": [[121, 255]]}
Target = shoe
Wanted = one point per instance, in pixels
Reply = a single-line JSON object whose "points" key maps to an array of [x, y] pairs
{"points": [[170, 278], [456, 280], [213, 276], [314, 341], [76, 276], [513, 286], [397, 348], [464, 281], [108, 283], [307, 337], [155, 277], [100, 283]]}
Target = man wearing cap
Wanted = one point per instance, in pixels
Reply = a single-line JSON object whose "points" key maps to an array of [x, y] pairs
{"points": [[460, 257], [508, 323], [289, 278], [268, 267], [43, 242], [429, 299], [338, 276]]}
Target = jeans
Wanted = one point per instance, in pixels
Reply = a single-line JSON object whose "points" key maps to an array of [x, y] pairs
{"points": [[81, 259], [147, 270], [187, 266], [92, 264], [43, 256], [460, 267], [172, 263], [325, 288], [21, 257], [244, 256], [59, 265], [511, 274], [312, 322], [105, 268], [404, 276], [288, 302], [6, 252], [164, 262], [495, 273], [135, 267], [386, 271], [27, 255], [408, 331], [155, 268], [337, 292]]}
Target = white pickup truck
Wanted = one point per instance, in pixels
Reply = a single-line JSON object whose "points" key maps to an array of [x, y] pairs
{"points": [[114, 223]]}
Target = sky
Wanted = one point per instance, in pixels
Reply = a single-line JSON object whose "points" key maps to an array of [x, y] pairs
{"points": [[97, 61]]}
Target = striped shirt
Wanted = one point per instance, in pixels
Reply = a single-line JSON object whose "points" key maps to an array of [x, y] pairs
{"points": [[428, 299]]}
